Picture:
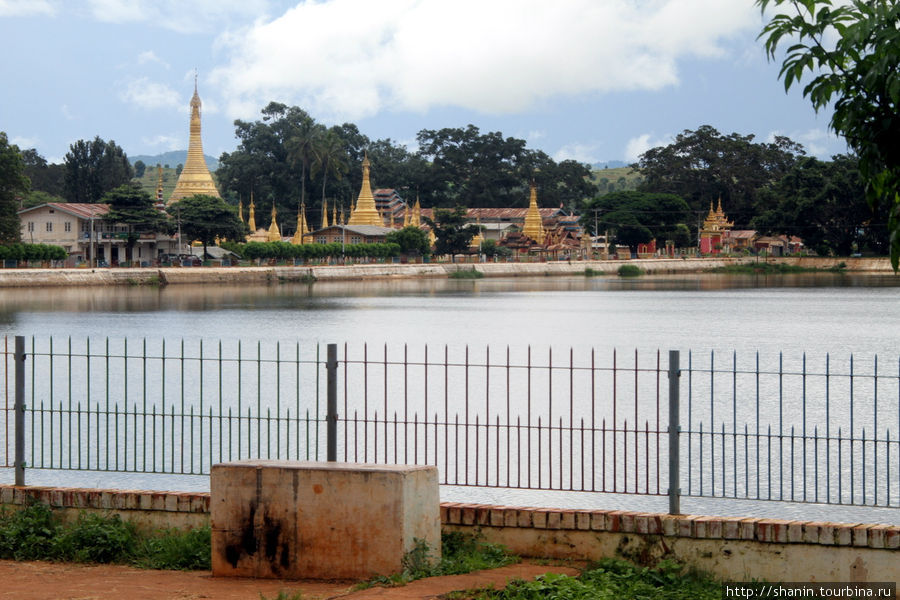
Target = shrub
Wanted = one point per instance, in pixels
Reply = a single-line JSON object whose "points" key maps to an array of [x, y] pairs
{"points": [[630, 271]]}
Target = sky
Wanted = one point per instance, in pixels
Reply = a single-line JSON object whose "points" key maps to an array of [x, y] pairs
{"points": [[589, 80]]}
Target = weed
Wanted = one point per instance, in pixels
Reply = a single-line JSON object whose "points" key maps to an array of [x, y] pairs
{"points": [[29, 533], [589, 272], [630, 271], [96, 538], [175, 549], [283, 595], [472, 273]]}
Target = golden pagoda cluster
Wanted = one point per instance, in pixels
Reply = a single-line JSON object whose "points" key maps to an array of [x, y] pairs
{"points": [[715, 220]]}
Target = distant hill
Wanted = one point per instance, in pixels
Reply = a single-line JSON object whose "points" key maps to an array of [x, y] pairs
{"points": [[616, 179], [610, 164], [173, 159]]}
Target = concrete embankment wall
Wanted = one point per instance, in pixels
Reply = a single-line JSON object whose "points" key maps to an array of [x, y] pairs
{"points": [[282, 274], [733, 549]]}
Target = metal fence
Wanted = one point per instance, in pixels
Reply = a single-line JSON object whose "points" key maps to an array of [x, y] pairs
{"points": [[777, 428]]}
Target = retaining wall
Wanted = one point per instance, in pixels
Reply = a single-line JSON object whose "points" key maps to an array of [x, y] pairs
{"points": [[735, 549], [266, 275]]}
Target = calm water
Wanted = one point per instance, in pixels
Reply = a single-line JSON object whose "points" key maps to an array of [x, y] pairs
{"points": [[818, 314]]}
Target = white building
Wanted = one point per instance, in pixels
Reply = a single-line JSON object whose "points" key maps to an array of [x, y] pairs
{"points": [[71, 225]]}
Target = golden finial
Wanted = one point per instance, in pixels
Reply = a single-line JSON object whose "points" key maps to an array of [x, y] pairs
{"points": [[251, 220], [324, 213], [241, 210]]}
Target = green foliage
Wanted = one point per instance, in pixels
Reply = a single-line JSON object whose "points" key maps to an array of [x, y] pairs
{"points": [[13, 183], [491, 249], [472, 273], [411, 240], [824, 203], [35, 533], [702, 166], [132, 206], [94, 168], [616, 179], [637, 217], [35, 252], [774, 268], [851, 52], [96, 538], [176, 550], [38, 197], [630, 271], [139, 168], [452, 233], [283, 595], [28, 534], [45, 177], [288, 251], [613, 578], [205, 218]]}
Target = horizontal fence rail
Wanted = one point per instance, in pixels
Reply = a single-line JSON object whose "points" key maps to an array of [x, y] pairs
{"points": [[759, 428]]}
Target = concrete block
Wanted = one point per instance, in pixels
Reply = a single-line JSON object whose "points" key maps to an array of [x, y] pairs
{"points": [[308, 520]]}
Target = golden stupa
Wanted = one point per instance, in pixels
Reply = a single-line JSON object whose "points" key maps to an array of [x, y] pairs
{"points": [[534, 226], [195, 177], [251, 220], [274, 234], [302, 228], [365, 212]]}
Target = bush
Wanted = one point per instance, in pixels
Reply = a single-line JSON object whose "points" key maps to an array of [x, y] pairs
{"points": [[29, 533], [96, 538], [630, 271]]}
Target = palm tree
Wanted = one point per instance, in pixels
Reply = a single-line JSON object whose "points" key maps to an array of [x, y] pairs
{"points": [[300, 149], [329, 158]]}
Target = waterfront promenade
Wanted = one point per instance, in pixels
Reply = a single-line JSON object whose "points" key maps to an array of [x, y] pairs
{"points": [[247, 275]]}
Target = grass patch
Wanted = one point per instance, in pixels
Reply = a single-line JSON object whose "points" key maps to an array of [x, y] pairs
{"points": [[630, 271], [460, 553], [775, 268], [472, 273], [610, 578], [36, 533]]}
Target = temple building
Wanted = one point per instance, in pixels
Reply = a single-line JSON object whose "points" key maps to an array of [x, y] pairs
{"points": [[195, 177], [712, 232]]}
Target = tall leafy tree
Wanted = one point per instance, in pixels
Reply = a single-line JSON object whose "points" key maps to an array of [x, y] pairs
{"points": [[130, 205], [824, 203], [411, 240], [206, 218], [329, 158], [13, 185], [301, 145], [638, 217], [45, 177], [851, 51], [704, 165], [451, 231], [94, 168]]}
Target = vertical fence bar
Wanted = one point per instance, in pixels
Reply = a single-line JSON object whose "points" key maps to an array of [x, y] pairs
{"points": [[20, 410], [331, 366], [674, 430]]}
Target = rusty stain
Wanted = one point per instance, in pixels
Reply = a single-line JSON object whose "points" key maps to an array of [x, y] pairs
{"points": [[318, 489]]}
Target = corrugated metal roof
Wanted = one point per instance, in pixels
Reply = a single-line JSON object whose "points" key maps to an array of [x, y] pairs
{"points": [[76, 209]]}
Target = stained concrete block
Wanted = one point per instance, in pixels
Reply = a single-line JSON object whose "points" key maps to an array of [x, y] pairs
{"points": [[316, 520]]}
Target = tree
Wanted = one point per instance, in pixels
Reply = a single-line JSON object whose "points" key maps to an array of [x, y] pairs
{"points": [[704, 165], [411, 240], [132, 206], [139, 168], [13, 185], [300, 146], [329, 158], [206, 218], [638, 217], [94, 168], [851, 51], [824, 203], [452, 234], [45, 177]]}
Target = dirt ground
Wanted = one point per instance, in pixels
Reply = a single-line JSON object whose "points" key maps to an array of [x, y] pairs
{"points": [[66, 581]]}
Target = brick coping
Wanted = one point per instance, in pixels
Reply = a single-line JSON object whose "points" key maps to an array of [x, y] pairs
{"points": [[766, 530]]}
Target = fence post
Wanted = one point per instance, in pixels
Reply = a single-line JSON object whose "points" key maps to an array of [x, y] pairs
{"points": [[331, 416], [674, 431], [19, 409]]}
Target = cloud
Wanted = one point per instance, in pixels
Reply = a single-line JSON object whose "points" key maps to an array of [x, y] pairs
{"points": [[149, 56], [67, 112], [640, 144], [24, 143], [26, 8], [583, 153], [144, 93], [817, 142], [169, 142], [184, 17], [350, 59]]}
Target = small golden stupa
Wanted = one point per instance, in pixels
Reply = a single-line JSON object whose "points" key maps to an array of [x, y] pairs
{"points": [[534, 226], [365, 212], [274, 234], [302, 228]]}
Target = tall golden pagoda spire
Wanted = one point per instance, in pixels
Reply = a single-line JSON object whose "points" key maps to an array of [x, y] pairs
{"points": [[365, 212], [251, 220], [274, 234], [334, 220], [416, 220], [406, 216], [241, 210], [534, 226], [195, 177], [302, 228], [324, 213]]}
